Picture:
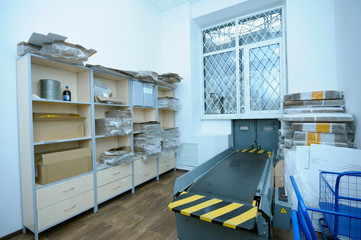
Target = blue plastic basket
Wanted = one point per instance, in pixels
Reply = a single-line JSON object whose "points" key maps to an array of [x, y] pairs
{"points": [[340, 203]]}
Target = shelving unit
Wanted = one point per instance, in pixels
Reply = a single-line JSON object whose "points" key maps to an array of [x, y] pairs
{"points": [[45, 205]]}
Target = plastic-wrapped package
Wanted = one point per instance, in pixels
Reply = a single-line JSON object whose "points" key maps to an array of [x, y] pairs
{"points": [[314, 103], [66, 52], [288, 143], [122, 113], [317, 95], [24, 48], [167, 154], [166, 84], [320, 137], [116, 156], [100, 89], [170, 77], [323, 127], [171, 141], [151, 74], [285, 133], [113, 126], [308, 143], [146, 126], [149, 142], [319, 117], [169, 103], [314, 110]]}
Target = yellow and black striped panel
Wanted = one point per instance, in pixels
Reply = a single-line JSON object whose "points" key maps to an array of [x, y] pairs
{"points": [[255, 150], [228, 214]]}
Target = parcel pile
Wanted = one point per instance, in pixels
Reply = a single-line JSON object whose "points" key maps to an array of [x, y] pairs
{"points": [[315, 118], [116, 122], [148, 138]]}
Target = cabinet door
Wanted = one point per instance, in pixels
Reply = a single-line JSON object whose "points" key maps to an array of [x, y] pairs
{"points": [[149, 100], [138, 95]]}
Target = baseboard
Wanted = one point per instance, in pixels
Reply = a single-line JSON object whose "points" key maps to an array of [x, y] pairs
{"points": [[11, 235]]}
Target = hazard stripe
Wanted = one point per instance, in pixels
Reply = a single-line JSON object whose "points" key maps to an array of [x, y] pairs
{"points": [[253, 150], [184, 201], [200, 206], [244, 150], [260, 151], [219, 212], [233, 222]]}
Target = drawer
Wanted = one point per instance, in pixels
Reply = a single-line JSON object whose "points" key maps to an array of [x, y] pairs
{"points": [[166, 165], [144, 170], [52, 214], [113, 188], [58, 192], [114, 173]]}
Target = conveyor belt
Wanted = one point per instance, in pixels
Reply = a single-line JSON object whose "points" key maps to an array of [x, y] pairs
{"points": [[234, 179]]}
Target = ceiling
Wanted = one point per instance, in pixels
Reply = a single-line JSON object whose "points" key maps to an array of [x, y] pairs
{"points": [[163, 5]]}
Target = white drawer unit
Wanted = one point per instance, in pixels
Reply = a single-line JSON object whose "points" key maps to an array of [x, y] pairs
{"points": [[49, 195], [114, 173], [111, 189], [52, 214], [166, 165], [144, 170]]}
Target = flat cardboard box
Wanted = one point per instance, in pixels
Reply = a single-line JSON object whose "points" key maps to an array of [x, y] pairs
{"points": [[56, 166], [57, 126], [109, 100], [279, 174]]}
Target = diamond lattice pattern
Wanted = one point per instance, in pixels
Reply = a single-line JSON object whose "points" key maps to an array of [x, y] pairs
{"points": [[265, 78], [220, 92], [264, 26], [219, 38]]}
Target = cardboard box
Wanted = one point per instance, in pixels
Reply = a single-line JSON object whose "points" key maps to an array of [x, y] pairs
{"points": [[280, 174], [56, 126], [56, 166]]}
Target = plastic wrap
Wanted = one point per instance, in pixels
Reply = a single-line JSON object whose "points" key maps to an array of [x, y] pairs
{"points": [[100, 89], [285, 133], [317, 95], [146, 126], [116, 156], [25, 48], [323, 127], [169, 103], [170, 77], [314, 110], [288, 143], [151, 74], [308, 143], [167, 154], [314, 103], [171, 141], [113, 126], [320, 137], [65, 52], [122, 113], [149, 142], [319, 117]]}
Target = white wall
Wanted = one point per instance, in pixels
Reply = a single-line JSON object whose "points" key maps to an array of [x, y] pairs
{"points": [[348, 42], [126, 35], [311, 45]]}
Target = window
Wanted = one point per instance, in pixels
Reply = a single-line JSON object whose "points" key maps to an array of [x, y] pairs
{"points": [[243, 67]]}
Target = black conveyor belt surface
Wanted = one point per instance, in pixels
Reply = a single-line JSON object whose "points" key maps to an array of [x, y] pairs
{"points": [[235, 178]]}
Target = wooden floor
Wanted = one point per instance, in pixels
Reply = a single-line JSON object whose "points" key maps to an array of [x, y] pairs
{"points": [[140, 216]]}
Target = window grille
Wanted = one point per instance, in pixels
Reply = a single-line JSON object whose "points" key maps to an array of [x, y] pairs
{"points": [[243, 72]]}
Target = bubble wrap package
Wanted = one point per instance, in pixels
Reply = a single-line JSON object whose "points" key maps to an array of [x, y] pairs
{"points": [[149, 141], [323, 127], [169, 103], [171, 141], [314, 110], [113, 126], [116, 156], [314, 103], [319, 117], [320, 137]]}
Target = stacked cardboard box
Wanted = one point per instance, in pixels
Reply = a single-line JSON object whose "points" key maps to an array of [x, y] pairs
{"points": [[116, 122], [314, 118], [148, 139]]}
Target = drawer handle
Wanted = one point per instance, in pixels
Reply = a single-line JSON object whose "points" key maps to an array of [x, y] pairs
{"points": [[69, 208], [116, 173], [115, 187], [146, 174], [68, 189]]}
